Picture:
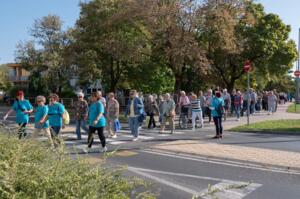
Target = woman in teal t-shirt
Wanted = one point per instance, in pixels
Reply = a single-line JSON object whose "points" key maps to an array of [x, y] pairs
{"points": [[41, 123], [22, 108], [97, 121], [55, 113], [217, 107]]}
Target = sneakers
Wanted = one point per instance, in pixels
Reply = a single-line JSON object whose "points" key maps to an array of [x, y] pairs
{"points": [[104, 149], [238, 120], [193, 129], [135, 139], [86, 149], [114, 136]]}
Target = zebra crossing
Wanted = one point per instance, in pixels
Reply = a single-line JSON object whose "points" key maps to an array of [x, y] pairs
{"points": [[124, 138]]}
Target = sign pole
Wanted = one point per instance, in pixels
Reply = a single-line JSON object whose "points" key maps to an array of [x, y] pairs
{"points": [[249, 100], [247, 68], [297, 76]]}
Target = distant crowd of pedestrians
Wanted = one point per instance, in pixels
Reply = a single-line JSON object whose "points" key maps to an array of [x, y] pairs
{"points": [[103, 113]]}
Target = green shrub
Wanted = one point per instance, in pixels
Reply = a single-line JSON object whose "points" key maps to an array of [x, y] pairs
{"points": [[29, 170]]}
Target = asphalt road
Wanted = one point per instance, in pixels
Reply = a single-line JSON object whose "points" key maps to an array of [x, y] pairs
{"points": [[184, 176], [181, 176]]}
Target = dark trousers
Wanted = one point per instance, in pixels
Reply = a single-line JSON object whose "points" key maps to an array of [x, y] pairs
{"points": [[22, 130], [99, 130], [151, 121], [218, 124], [208, 113], [55, 130]]}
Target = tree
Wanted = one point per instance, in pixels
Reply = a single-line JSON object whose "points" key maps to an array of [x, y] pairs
{"points": [[172, 25], [109, 42], [4, 78], [238, 30], [50, 61]]}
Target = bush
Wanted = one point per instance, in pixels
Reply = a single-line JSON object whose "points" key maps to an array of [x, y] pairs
{"points": [[29, 170]]}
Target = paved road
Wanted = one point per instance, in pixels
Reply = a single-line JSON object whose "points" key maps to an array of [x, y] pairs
{"points": [[177, 175]]}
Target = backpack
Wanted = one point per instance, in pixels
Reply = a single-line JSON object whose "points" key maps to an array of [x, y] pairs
{"points": [[66, 117]]}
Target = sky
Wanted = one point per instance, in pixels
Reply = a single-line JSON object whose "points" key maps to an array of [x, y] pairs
{"points": [[17, 17]]}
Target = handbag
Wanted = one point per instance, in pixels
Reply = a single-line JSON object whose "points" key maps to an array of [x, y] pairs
{"points": [[142, 117]]}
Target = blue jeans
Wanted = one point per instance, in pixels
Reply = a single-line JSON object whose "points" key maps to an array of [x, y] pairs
{"points": [[134, 126], [218, 124], [80, 124], [237, 111]]}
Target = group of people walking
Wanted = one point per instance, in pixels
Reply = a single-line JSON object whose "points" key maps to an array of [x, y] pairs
{"points": [[101, 113], [48, 119], [215, 104]]}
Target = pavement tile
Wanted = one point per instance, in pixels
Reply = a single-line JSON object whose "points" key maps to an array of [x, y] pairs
{"points": [[241, 153]]}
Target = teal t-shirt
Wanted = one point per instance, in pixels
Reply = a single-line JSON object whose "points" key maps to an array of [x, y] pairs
{"points": [[95, 109], [19, 107], [215, 103], [40, 112], [55, 114]]}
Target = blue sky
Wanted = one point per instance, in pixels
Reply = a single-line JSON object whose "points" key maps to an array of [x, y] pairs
{"points": [[17, 16]]}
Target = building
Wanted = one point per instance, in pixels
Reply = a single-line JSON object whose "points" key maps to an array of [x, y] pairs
{"points": [[18, 75]]}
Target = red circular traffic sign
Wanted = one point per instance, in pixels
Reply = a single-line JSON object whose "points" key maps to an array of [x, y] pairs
{"points": [[297, 73], [247, 66]]}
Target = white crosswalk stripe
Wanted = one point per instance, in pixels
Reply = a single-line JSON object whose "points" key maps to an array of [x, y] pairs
{"points": [[70, 139]]}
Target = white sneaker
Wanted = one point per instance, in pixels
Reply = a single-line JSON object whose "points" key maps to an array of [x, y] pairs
{"points": [[193, 129], [238, 120], [104, 149], [114, 136], [135, 139], [86, 149]]}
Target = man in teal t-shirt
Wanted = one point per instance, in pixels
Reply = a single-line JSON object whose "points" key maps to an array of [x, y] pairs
{"points": [[22, 108]]}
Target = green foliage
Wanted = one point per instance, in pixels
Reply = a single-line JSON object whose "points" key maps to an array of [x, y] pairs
{"points": [[152, 79], [49, 63], [109, 42], [4, 79], [12, 92], [28, 169], [141, 44], [247, 34]]}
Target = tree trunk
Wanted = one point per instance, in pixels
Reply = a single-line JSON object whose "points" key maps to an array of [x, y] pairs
{"points": [[112, 76], [178, 83]]}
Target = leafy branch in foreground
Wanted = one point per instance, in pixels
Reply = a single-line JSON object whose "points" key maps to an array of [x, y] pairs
{"points": [[28, 169]]}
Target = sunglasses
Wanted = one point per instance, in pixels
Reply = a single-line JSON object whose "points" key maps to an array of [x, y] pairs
{"points": [[79, 96], [39, 101]]}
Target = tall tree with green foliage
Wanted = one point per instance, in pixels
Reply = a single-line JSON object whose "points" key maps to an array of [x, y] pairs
{"points": [[47, 55], [172, 25], [238, 30], [109, 42]]}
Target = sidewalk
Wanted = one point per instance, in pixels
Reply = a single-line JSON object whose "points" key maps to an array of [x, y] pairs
{"points": [[260, 156]]}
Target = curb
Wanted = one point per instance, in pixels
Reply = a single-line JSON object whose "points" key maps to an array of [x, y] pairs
{"points": [[266, 132]]}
